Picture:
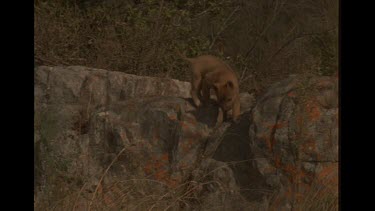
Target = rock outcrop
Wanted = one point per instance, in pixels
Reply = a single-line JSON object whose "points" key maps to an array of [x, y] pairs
{"points": [[100, 128]]}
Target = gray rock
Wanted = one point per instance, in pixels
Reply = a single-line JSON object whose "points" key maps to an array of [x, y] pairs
{"points": [[293, 130], [96, 128]]}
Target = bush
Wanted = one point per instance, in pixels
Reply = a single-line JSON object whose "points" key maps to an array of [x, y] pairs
{"points": [[264, 41]]}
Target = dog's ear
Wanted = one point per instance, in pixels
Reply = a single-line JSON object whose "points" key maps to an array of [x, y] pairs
{"points": [[230, 84]]}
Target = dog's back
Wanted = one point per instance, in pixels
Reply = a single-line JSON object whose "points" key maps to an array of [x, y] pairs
{"points": [[208, 63]]}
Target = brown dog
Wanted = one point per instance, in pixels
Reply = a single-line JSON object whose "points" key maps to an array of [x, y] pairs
{"points": [[210, 72]]}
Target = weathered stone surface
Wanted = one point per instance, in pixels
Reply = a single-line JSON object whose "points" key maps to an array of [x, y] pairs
{"points": [[107, 127], [294, 130], [77, 84], [159, 131]]}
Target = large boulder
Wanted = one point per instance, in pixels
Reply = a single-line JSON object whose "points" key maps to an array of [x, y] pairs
{"points": [[294, 136], [101, 127], [101, 132]]}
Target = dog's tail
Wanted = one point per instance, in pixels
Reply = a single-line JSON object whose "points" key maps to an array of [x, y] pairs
{"points": [[182, 55]]}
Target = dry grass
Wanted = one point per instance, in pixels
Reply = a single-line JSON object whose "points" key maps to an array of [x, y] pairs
{"points": [[146, 194], [263, 40], [323, 195], [132, 194]]}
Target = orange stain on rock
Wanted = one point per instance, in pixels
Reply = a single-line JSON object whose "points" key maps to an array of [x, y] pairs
{"points": [[148, 168], [184, 125], [314, 114], [190, 120], [172, 117], [292, 94], [300, 120], [268, 170], [329, 174], [158, 163], [278, 125], [172, 183], [313, 110], [296, 174], [267, 140], [291, 170], [165, 157], [277, 161], [155, 133], [309, 146], [161, 175]]}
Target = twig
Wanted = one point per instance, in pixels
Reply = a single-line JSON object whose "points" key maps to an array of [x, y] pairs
{"points": [[179, 198], [49, 61], [205, 11], [160, 198], [293, 39], [224, 26], [105, 173], [265, 29], [267, 61], [79, 194], [243, 73]]}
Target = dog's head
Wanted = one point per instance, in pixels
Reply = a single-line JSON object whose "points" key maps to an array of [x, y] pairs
{"points": [[226, 94]]}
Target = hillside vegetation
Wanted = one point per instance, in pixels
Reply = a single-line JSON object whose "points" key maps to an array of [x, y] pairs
{"points": [[264, 40]]}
